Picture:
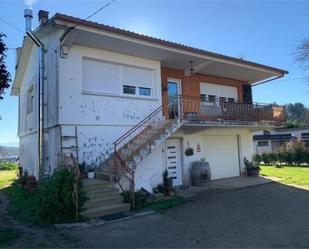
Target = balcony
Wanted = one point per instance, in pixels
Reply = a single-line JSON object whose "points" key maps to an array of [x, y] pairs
{"points": [[218, 112]]}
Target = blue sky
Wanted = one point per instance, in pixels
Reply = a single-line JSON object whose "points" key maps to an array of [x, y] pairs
{"points": [[262, 31]]}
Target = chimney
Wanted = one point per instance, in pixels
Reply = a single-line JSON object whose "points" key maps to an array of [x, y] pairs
{"points": [[28, 14], [43, 17]]}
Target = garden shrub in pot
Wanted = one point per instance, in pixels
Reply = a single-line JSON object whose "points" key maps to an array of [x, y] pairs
{"points": [[252, 168]]}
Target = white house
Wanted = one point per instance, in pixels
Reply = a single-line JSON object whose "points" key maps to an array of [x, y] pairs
{"points": [[272, 140], [133, 104]]}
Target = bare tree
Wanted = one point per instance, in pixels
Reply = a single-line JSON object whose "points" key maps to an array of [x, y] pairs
{"points": [[302, 53]]}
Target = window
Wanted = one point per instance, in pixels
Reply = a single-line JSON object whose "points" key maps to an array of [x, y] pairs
{"points": [[30, 100], [144, 91], [262, 143], [101, 76], [231, 100], [129, 89], [212, 98], [203, 97], [115, 78], [134, 90]]}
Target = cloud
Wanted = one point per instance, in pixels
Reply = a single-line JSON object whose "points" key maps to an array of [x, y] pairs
{"points": [[30, 3]]}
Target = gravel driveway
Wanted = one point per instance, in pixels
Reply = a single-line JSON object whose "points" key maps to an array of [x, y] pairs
{"points": [[270, 215]]}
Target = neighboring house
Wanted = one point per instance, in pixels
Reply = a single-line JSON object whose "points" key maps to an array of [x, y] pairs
{"points": [[132, 104], [9, 158], [267, 141]]}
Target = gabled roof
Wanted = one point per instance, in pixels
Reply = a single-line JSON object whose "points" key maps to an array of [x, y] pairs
{"points": [[131, 34]]}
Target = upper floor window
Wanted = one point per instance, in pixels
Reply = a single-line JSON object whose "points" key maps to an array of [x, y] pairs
{"points": [[115, 78], [129, 89], [135, 90], [144, 91], [30, 99]]}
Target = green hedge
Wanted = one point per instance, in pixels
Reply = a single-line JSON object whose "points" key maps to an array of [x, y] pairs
{"points": [[292, 154], [8, 166]]}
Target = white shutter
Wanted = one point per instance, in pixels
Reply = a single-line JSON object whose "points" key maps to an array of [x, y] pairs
{"points": [[100, 76], [135, 76], [218, 90]]}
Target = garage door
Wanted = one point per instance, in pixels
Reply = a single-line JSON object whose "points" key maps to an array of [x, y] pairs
{"points": [[222, 154]]}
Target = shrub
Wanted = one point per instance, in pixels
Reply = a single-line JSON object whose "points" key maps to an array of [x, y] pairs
{"points": [[257, 158], [298, 150], [8, 166], [56, 197], [293, 153], [265, 158], [139, 199]]}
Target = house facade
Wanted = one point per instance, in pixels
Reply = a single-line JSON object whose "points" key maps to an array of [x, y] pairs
{"points": [[272, 140], [134, 105]]}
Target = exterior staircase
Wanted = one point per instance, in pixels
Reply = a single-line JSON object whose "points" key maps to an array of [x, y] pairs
{"points": [[104, 199], [129, 150], [138, 148]]}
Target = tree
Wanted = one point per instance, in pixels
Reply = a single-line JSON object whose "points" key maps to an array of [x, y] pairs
{"points": [[297, 116], [302, 53], [5, 76]]}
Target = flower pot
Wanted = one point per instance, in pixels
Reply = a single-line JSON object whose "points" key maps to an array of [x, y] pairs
{"points": [[253, 172], [91, 175]]}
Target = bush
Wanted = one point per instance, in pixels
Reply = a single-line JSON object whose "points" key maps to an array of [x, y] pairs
{"points": [[139, 199], [257, 158], [50, 202], [293, 153], [56, 197], [8, 166]]}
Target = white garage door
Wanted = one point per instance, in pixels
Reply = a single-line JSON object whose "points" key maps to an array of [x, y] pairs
{"points": [[222, 154]]}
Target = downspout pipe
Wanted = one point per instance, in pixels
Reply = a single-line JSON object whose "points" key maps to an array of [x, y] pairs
{"points": [[41, 80]]}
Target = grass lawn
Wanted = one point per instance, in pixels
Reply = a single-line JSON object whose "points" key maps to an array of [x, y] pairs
{"points": [[164, 204], [289, 175], [7, 177]]}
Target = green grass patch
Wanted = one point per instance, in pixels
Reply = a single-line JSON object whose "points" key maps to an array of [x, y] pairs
{"points": [[8, 235], [7, 177], [163, 204], [289, 175], [8, 166], [23, 205]]}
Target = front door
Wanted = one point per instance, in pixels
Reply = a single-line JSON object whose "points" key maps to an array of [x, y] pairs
{"points": [[173, 160], [173, 89]]}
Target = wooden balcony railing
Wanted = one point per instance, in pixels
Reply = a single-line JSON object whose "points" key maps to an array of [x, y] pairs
{"points": [[195, 109]]}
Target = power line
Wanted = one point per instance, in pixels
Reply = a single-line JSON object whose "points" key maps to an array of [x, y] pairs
{"points": [[85, 19], [19, 30], [12, 26]]}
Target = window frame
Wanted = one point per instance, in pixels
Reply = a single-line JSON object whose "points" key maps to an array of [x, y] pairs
{"points": [[263, 142], [137, 91]]}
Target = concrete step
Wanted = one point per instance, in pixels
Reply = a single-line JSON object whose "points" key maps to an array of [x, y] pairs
{"points": [[105, 201], [102, 193], [106, 176], [106, 210], [93, 184]]}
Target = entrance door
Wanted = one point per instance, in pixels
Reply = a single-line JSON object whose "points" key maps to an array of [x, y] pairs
{"points": [[173, 160], [173, 89]]}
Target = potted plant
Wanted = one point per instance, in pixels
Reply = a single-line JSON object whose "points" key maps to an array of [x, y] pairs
{"points": [[252, 168], [90, 171]]}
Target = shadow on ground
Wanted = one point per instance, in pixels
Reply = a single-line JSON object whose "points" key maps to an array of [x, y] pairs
{"points": [[269, 215]]}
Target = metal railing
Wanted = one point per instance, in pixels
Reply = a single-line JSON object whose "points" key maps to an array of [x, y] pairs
{"points": [[196, 109]]}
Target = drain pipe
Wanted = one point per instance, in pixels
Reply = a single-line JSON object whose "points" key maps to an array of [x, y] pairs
{"points": [[41, 80]]}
